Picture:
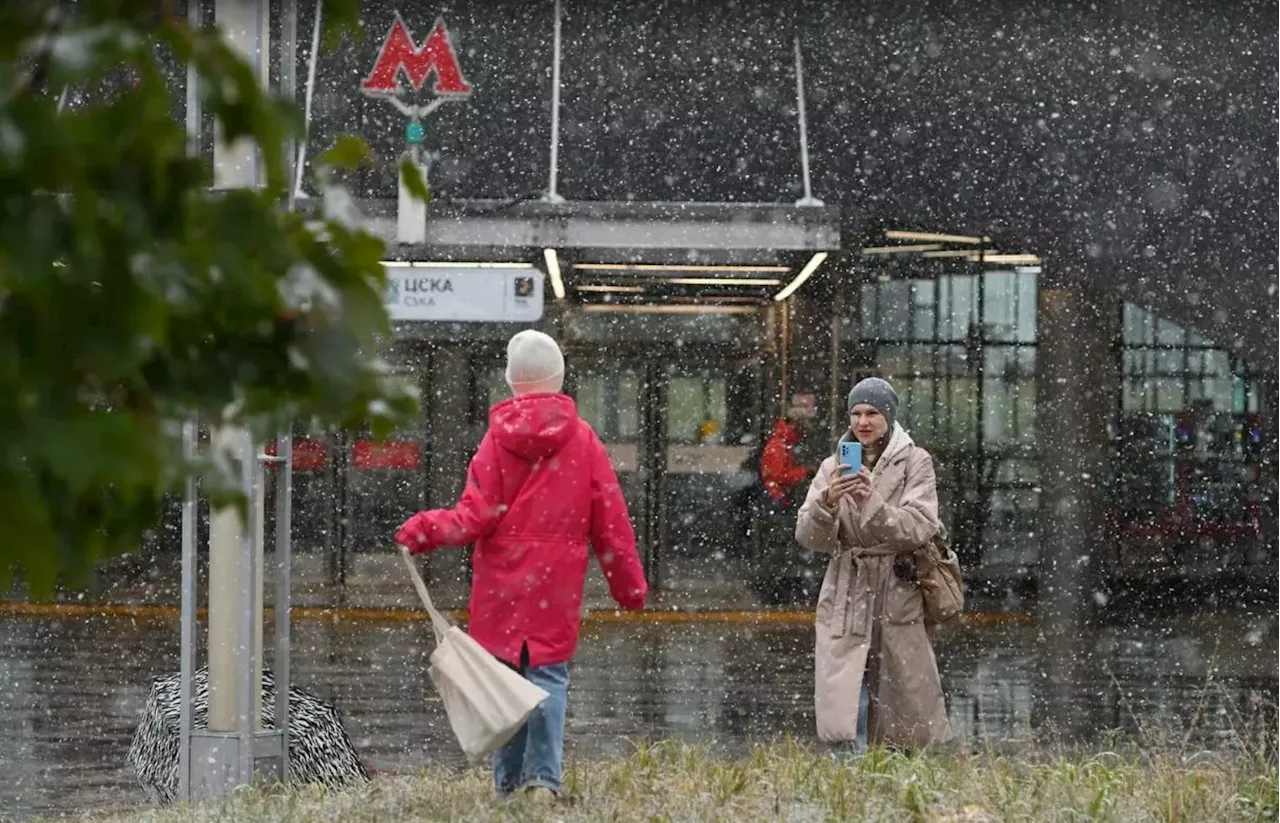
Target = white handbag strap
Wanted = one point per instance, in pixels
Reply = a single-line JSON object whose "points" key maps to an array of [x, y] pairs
{"points": [[439, 622]]}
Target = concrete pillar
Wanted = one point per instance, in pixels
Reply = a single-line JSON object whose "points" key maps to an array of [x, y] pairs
{"points": [[236, 165], [1077, 382]]}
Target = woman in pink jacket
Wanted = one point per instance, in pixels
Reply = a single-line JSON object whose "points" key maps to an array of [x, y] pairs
{"points": [[539, 489]]}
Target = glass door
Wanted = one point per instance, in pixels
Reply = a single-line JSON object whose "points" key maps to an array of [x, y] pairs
{"points": [[711, 407], [381, 483], [680, 429], [619, 403]]}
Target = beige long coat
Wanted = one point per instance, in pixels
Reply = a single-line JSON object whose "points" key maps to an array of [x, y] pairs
{"points": [[869, 622]]}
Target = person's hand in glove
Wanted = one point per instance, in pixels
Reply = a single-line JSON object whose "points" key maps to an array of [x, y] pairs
{"points": [[415, 534]]}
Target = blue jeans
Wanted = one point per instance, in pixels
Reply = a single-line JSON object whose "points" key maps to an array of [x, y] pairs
{"points": [[534, 755], [864, 703]]}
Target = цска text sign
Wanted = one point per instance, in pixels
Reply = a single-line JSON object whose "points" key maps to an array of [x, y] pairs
{"points": [[476, 295]]}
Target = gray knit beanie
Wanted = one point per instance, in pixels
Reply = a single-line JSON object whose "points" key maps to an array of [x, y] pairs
{"points": [[879, 395]]}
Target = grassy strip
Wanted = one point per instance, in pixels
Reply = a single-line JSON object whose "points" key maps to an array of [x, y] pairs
{"points": [[670, 781]]}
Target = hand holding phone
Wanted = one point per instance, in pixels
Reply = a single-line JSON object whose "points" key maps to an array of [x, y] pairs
{"points": [[848, 477]]}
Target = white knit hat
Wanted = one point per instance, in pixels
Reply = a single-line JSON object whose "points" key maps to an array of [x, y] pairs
{"points": [[534, 363]]}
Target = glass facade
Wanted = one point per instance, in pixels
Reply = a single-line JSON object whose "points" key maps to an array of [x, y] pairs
{"points": [[959, 346], [1168, 369], [1187, 488], [1190, 469], [1189, 482]]}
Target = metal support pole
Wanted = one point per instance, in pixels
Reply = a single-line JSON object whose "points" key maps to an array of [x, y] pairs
{"points": [[284, 586], [187, 644], [312, 58], [249, 687], [288, 51], [236, 165], [190, 432], [553, 196], [232, 749], [808, 199]]}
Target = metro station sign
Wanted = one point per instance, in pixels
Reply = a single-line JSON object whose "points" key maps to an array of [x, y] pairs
{"points": [[400, 56], [464, 294]]}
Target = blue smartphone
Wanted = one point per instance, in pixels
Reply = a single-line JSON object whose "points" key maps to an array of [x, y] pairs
{"points": [[850, 456]]}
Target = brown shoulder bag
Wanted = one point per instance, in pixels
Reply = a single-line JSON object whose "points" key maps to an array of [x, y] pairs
{"points": [[938, 571]]}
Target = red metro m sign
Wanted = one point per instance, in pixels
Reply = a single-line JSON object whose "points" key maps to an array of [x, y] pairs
{"points": [[399, 55]]}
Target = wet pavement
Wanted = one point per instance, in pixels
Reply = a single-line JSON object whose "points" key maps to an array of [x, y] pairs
{"points": [[71, 690]]}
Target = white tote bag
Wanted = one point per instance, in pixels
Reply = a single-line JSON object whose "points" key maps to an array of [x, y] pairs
{"points": [[487, 701]]}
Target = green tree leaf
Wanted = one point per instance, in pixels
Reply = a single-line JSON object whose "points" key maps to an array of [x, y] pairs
{"points": [[414, 181], [132, 297]]}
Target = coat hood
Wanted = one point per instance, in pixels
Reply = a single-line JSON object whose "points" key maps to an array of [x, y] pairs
{"points": [[534, 426]]}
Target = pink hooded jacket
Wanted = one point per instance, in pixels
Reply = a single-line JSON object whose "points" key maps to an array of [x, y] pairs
{"points": [[539, 488]]}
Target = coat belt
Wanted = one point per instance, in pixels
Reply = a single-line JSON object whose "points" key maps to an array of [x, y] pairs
{"points": [[846, 574]]}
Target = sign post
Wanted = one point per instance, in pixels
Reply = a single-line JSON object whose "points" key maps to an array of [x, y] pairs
{"points": [[233, 748], [400, 57]]}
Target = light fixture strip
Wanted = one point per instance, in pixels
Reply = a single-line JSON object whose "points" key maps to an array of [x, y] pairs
{"points": [[929, 237], [721, 281], [553, 271], [805, 274], [966, 253], [596, 308], [606, 288], [1024, 259], [680, 267], [917, 247]]}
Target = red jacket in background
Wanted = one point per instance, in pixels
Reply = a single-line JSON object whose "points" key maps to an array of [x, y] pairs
{"points": [[539, 488], [778, 469]]}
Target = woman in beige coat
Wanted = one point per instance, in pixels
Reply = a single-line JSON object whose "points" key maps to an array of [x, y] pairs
{"points": [[875, 675]]}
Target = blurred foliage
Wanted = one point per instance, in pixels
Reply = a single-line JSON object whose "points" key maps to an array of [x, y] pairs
{"points": [[133, 297]]}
